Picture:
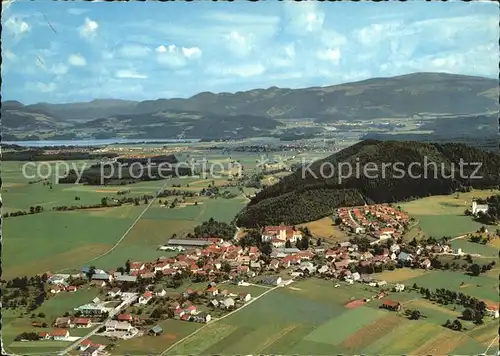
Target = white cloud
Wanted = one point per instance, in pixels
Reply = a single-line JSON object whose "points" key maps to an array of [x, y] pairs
{"points": [[330, 55], [161, 49], [76, 11], [16, 26], [134, 51], [193, 52], [290, 50], [304, 17], [77, 60], [243, 71], [89, 29], [42, 87], [374, 34], [176, 57], [239, 44], [243, 18], [59, 69], [8, 55], [129, 74]]}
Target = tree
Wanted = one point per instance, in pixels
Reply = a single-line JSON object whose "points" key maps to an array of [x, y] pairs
{"points": [[104, 201], [266, 248], [127, 266], [288, 244], [414, 242], [456, 325], [226, 267], [468, 314], [415, 315], [318, 242], [304, 242], [474, 269]]}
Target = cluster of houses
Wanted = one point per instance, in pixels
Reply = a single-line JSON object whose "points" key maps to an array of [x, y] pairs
{"points": [[380, 221], [279, 235], [58, 282]]}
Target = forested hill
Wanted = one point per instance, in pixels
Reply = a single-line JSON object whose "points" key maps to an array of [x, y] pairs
{"points": [[380, 174]]}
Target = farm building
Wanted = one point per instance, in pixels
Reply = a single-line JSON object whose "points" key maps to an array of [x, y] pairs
{"points": [[60, 334], [91, 309], [113, 325], [188, 242], [155, 330], [202, 317], [125, 278], [272, 281], [391, 305], [492, 310], [82, 322]]}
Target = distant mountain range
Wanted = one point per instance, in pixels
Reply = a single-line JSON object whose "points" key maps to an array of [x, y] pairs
{"points": [[253, 113]]}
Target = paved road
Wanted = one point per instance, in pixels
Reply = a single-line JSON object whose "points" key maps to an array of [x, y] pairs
{"points": [[128, 230], [216, 320], [112, 313], [490, 345]]}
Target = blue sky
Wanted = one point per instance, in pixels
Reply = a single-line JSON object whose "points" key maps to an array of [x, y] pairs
{"points": [[79, 51]]}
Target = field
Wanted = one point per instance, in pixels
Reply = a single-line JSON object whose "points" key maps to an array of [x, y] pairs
{"points": [[475, 248], [443, 215], [75, 238], [174, 330], [482, 287], [310, 317], [55, 307], [325, 229]]}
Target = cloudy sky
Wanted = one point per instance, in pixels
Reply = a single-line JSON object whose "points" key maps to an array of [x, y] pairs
{"points": [[76, 51]]}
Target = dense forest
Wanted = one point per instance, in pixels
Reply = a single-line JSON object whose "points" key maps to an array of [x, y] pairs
{"points": [[40, 154], [128, 171], [298, 206], [372, 171]]}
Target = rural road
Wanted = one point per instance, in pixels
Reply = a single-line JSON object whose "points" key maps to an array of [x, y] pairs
{"points": [[126, 232], [216, 320], [490, 345]]}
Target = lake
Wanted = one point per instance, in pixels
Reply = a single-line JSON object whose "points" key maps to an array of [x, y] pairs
{"points": [[93, 142]]}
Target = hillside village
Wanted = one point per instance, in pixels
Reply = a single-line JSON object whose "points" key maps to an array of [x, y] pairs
{"points": [[133, 298]]}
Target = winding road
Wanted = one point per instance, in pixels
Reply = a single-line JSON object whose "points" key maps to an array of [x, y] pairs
{"points": [[218, 319], [126, 232]]}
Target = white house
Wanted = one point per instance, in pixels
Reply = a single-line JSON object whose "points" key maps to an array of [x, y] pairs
{"points": [[82, 322], [245, 297], [115, 292], [399, 287], [145, 298], [477, 208], [355, 276], [492, 311], [161, 293], [60, 334], [113, 325], [359, 230], [56, 279], [227, 303], [280, 233]]}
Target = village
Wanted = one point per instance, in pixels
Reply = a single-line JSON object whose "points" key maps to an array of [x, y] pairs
{"points": [[132, 299], [376, 221]]}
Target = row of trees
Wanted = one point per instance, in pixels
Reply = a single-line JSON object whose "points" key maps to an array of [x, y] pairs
{"points": [[33, 210], [213, 228], [475, 308], [24, 292]]}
